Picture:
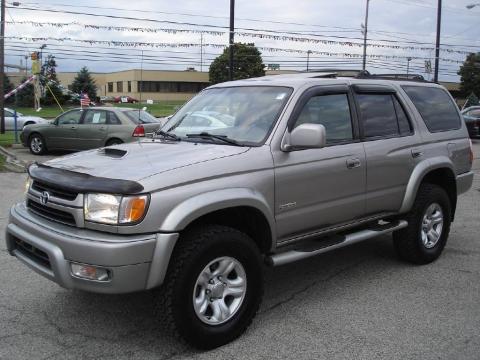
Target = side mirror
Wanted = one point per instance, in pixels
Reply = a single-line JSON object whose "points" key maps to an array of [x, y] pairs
{"points": [[305, 136]]}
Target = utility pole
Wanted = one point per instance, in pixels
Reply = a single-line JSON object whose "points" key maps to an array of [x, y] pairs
{"points": [[408, 64], [437, 46], [201, 52], [365, 31], [2, 67], [232, 33]]}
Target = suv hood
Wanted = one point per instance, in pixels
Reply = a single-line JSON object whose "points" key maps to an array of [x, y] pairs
{"points": [[136, 161]]}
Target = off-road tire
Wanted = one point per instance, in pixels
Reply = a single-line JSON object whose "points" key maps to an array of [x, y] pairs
{"points": [[195, 249], [32, 147], [408, 241]]}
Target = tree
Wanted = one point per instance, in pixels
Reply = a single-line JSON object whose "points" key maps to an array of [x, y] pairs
{"points": [[7, 87], [470, 75], [247, 62], [25, 96], [84, 82], [49, 82]]}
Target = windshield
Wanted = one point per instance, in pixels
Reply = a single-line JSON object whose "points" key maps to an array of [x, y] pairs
{"points": [[140, 117], [245, 114]]}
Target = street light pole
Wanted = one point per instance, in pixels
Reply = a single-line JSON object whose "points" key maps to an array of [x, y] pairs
{"points": [[308, 58], [232, 29], [408, 64], [2, 68], [437, 45], [365, 31]]}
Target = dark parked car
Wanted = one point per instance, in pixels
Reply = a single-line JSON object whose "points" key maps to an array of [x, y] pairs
{"points": [[125, 99], [471, 115], [83, 129]]}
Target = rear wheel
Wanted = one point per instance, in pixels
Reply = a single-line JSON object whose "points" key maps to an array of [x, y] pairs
{"points": [[423, 240], [36, 144], [112, 142], [213, 287]]}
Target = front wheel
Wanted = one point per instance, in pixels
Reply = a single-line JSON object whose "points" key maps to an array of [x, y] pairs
{"points": [[213, 287], [423, 240], [36, 144]]}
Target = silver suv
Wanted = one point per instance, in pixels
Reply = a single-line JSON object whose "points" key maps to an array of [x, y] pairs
{"points": [[261, 171]]}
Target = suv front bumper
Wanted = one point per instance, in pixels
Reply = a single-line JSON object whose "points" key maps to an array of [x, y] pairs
{"points": [[135, 263]]}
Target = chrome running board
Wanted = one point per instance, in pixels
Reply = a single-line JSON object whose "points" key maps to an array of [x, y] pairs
{"points": [[334, 243]]}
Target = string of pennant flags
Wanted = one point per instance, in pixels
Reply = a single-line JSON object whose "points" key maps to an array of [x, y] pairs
{"points": [[19, 87], [259, 35], [138, 44]]}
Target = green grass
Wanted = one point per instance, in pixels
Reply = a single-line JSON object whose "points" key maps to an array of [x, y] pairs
{"points": [[157, 109], [8, 138], [2, 162]]}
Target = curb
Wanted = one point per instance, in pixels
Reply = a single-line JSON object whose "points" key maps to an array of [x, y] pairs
{"points": [[13, 163]]}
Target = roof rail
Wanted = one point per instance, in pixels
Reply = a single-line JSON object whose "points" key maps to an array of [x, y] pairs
{"points": [[408, 77]]}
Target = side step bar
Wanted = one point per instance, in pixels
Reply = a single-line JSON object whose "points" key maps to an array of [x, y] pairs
{"points": [[345, 240]]}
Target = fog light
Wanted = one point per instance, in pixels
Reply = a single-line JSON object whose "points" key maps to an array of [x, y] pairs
{"points": [[90, 272]]}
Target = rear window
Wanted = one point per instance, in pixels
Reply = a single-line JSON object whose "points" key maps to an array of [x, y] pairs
{"points": [[141, 117], [435, 106]]}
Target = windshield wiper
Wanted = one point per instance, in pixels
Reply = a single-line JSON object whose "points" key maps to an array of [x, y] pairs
{"points": [[207, 135], [168, 135]]}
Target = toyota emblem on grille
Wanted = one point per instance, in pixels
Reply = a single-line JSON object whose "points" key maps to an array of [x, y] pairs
{"points": [[44, 197]]}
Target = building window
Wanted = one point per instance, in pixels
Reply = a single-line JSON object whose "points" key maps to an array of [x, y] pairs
{"points": [[171, 86], [129, 86], [110, 87], [119, 86]]}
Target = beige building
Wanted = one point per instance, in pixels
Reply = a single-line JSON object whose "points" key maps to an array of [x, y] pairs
{"points": [[157, 85]]}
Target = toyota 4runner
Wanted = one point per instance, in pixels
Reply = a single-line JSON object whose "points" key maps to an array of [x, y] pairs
{"points": [[261, 171]]}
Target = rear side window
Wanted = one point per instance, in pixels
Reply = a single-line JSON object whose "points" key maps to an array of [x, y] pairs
{"points": [[435, 106], [404, 126], [378, 115], [113, 119]]}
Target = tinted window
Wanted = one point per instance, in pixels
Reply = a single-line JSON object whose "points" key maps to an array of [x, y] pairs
{"points": [[435, 106], [403, 122], [71, 117], [378, 115], [331, 111], [95, 117], [8, 113]]}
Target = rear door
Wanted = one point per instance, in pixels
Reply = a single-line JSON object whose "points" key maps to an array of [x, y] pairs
{"points": [[64, 134], [392, 146], [320, 188], [92, 132]]}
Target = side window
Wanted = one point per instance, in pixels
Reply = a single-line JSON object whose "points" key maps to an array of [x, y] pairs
{"points": [[437, 109], [8, 113], [404, 125], [331, 111], [378, 115], [70, 118], [113, 119], [97, 117]]}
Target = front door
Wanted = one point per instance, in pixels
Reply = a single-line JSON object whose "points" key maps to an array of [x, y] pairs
{"points": [[319, 188], [63, 135]]}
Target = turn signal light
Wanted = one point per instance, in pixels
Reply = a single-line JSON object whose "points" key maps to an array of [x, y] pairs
{"points": [[89, 272], [139, 131]]}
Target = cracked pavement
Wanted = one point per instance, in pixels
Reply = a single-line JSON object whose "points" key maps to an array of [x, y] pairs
{"points": [[359, 302]]}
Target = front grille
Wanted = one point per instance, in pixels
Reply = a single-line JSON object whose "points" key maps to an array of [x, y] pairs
{"points": [[54, 191], [33, 253], [51, 213]]}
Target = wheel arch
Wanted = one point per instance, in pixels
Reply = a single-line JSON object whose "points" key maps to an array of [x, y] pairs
{"points": [[438, 171], [243, 209]]}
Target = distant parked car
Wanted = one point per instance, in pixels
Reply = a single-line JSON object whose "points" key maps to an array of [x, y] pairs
{"points": [[83, 129], [125, 99], [22, 120], [107, 99], [471, 115]]}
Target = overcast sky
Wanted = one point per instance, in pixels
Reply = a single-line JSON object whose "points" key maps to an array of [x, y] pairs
{"points": [[394, 20]]}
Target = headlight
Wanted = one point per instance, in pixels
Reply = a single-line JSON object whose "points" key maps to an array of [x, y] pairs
{"points": [[28, 183], [115, 209]]}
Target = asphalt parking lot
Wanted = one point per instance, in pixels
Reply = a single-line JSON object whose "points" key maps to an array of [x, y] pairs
{"points": [[354, 303]]}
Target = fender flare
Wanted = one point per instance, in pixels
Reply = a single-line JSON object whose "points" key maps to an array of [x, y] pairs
{"points": [[418, 174], [195, 207]]}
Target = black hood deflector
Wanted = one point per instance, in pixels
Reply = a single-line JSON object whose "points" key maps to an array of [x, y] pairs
{"points": [[82, 183]]}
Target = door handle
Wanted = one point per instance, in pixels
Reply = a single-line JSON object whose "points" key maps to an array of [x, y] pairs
{"points": [[353, 163], [73, 127]]}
